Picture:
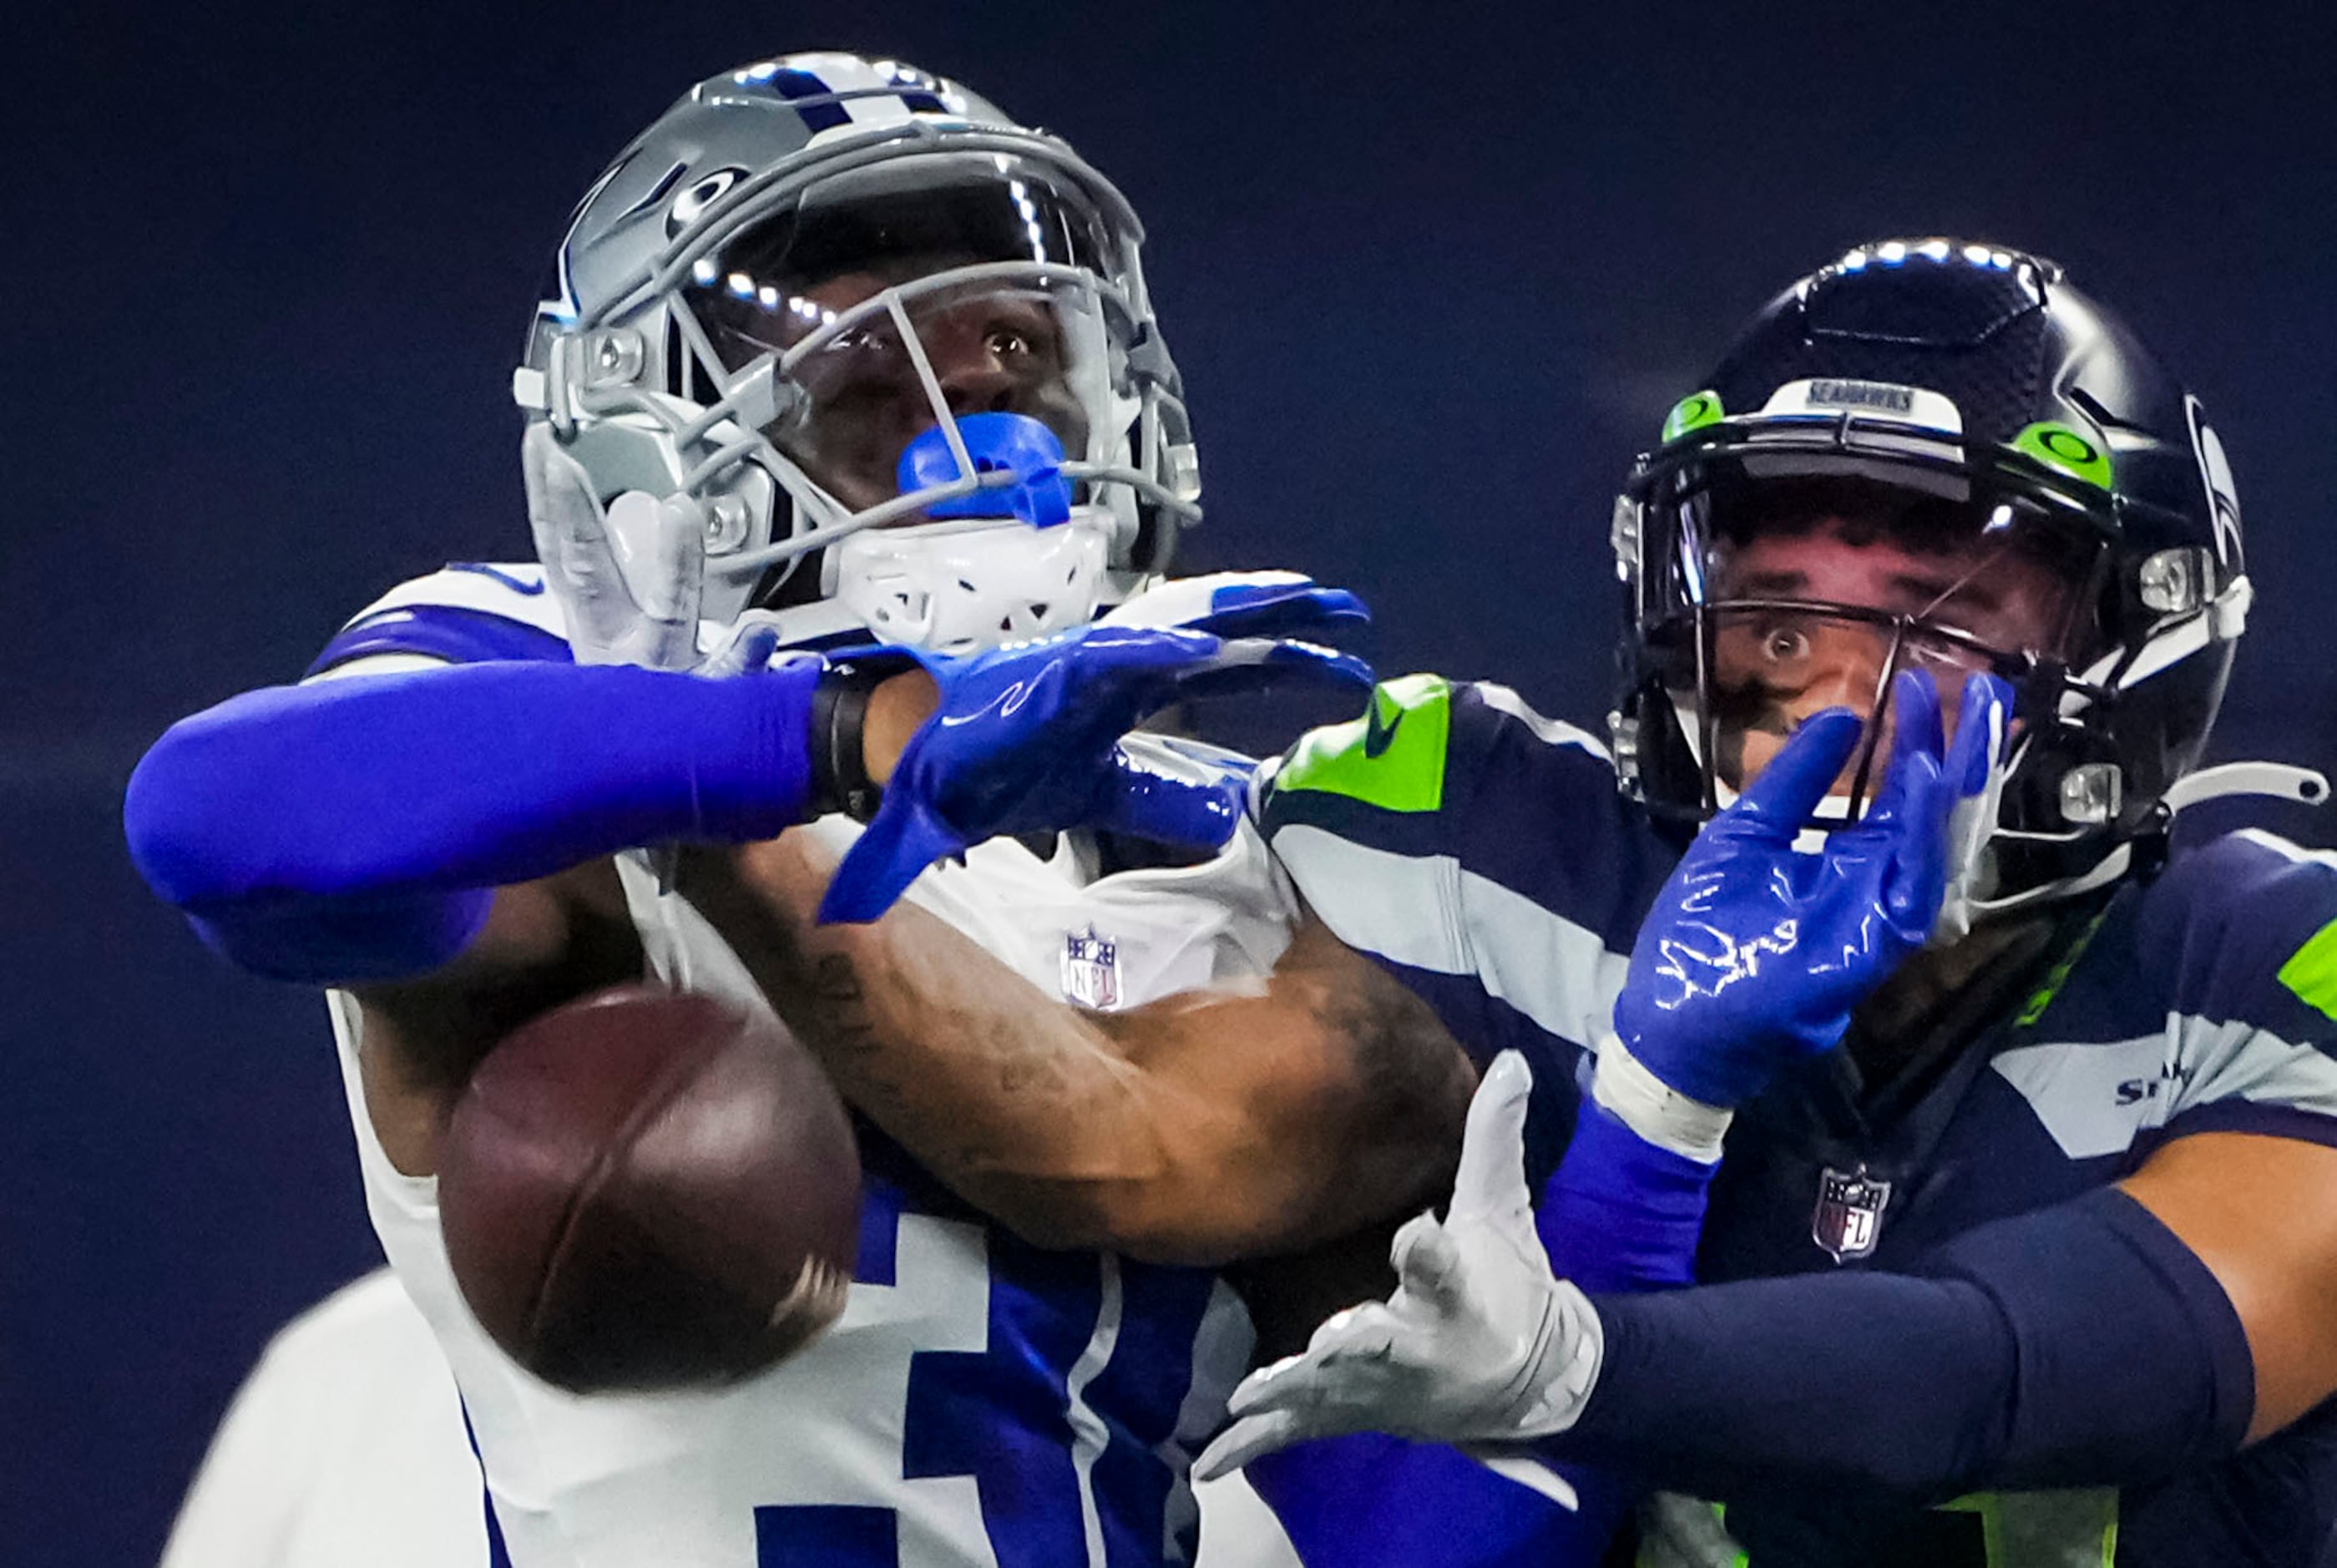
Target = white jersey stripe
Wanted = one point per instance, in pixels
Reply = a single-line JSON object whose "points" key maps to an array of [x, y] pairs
{"points": [[2094, 1097], [1089, 1434], [1554, 731], [1427, 912]]}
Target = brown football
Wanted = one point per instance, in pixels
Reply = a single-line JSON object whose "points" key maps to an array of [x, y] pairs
{"points": [[649, 1189]]}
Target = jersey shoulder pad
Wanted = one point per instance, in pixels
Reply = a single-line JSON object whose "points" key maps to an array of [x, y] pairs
{"points": [[463, 613], [1410, 768], [1512, 804], [2243, 929], [1394, 758]]}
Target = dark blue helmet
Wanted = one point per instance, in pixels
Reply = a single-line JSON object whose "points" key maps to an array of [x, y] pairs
{"points": [[1967, 401]]}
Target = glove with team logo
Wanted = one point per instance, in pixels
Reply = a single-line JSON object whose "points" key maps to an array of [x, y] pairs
{"points": [[628, 581], [1755, 954], [1026, 738], [1480, 1345]]}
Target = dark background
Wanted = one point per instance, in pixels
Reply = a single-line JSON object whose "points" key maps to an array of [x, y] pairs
{"points": [[1431, 279]]}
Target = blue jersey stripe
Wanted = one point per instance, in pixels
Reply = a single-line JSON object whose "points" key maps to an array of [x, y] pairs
{"points": [[498, 1555]]}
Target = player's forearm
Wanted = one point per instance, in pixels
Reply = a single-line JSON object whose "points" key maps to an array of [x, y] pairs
{"points": [[1197, 1128], [349, 829], [1625, 1209], [1015, 1100], [2080, 1345]]}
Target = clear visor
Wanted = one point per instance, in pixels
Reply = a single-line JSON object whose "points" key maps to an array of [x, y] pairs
{"points": [[897, 296], [1766, 601]]}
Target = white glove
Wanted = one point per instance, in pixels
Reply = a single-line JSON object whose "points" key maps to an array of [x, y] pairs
{"points": [[1972, 823], [628, 579], [1480, 1343], [1677, 1532]]}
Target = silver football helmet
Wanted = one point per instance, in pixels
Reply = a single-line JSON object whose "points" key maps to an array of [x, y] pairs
{"points": [[807, 265]]}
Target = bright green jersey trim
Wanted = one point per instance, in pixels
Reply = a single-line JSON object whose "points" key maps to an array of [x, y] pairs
{"points": [[2311, 970], [1391, 758]]}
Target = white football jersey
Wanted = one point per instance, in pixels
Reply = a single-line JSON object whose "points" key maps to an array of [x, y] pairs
{"points": [[980, 1400], [343, 1449]]}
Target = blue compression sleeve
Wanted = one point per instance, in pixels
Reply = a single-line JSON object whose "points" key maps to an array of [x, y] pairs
{"points": [[1369, 1498], [349, 829], [1620, 1214], [2082, 1345]]}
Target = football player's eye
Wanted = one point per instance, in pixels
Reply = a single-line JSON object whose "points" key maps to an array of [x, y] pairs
{"points": [[1784, 644], [1007, 342]]}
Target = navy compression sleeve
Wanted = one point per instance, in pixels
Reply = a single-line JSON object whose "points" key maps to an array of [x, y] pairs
{"points": [[349, 829], [2082, 1345]]}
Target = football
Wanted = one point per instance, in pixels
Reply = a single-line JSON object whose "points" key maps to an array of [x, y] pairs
{"points": [[649, 1189]]}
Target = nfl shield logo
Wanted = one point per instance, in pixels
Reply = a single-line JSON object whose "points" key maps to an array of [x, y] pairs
{"points": [[1091, 970], [1848, 1217]]}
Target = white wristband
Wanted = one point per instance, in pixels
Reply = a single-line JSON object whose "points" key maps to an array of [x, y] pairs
{"points": [[1648, 1106]]}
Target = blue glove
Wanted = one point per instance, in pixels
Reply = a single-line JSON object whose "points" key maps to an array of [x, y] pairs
{"points": [[1027, 739], [1243, 605], [1755, 954]]}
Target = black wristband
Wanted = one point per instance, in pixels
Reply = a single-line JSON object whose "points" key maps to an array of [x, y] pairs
{"points": [[839, 715]]}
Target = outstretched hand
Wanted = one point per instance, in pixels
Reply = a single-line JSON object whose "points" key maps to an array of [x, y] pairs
{"points": [[1755, 954], [1026, 738], [1480, 1344], [628, 581]]}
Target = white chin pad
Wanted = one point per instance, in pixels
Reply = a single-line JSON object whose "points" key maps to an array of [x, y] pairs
{"points": [[961, 587]]}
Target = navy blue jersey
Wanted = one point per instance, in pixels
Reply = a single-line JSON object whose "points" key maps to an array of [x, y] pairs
{"points": [[1485, 855]]}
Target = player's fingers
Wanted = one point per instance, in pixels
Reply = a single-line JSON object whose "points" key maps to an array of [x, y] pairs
{"points": [[1914, 740], [1362, 1334], [748, 652], [1915, 875], [1184, 812], [1427, 1263], [1248, 1439], [561, 504], [1681, 1532], [675, 576], [1491, 1181], [903, 841], [1291, 609], [1345, 1342], [1782, 796], [1253, 664], [1981, 720]]}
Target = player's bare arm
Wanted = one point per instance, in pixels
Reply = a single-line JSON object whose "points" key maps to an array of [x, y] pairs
{"points": [[1198, 1128], [1195, 1129], [544, 943], [2258, 1213]]}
